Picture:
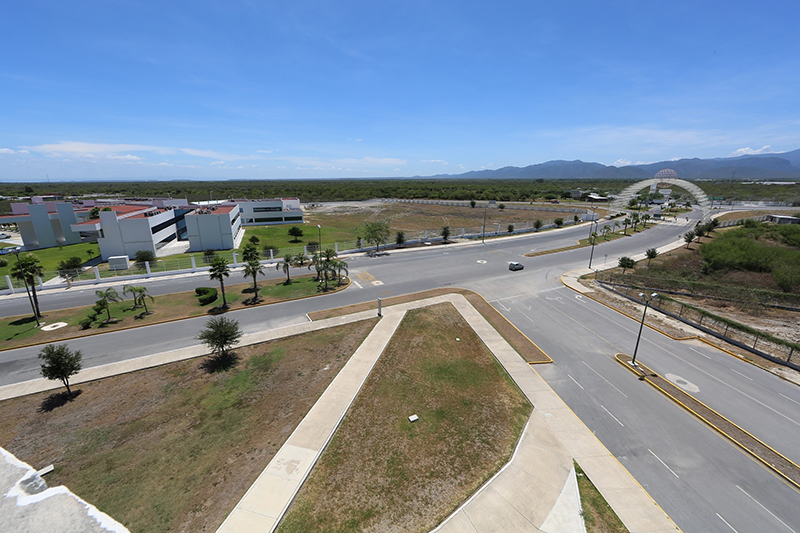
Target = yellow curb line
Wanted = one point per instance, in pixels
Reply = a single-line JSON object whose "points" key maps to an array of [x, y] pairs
{"points": [[654, 328], [166, 321], [669, 395]]}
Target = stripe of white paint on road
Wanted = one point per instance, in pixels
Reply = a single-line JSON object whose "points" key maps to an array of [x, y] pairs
{"points": [[663, 463], [726, 522], [576, 383], [795, 401], [746, 377], [698, 352], [604, 379], [357, 284], [737, 390], [612, 416], [767, 510]]}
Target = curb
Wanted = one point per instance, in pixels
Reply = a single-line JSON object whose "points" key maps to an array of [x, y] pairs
{"points": [[644, 377]]}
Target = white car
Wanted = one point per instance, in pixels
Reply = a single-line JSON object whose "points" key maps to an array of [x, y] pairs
{"points": [[4, 236]]}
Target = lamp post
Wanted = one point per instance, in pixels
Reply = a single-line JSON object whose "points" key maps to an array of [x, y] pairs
{"points": [[641, 325], [483, 228], [25, 281], [319, 229], [591, 255]]}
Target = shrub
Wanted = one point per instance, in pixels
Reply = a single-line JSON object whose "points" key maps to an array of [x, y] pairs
{"points": [[267, 247], [3, 262], [208, 255], [558, 222], [144, 256], [86, 323], [206, 295]]}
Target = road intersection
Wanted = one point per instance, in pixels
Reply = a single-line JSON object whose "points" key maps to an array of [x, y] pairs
{"points": [[702, 481]]}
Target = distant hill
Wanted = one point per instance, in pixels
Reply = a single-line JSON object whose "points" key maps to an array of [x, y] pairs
{"points": [[761, 166]]}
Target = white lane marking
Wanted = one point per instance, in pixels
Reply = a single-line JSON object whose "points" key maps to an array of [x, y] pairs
{"points": [[503, 307], [747, 377], [698, 352], [357, 284], [767, 510], [576, 383], [795, 401], [612, 416], [726, 522], [604, 379], [663, 463], [377, 283], [481, 261], [737, 390]]}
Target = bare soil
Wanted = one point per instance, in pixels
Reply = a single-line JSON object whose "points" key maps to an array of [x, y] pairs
{"points": [[174, 448], [382, 472]]}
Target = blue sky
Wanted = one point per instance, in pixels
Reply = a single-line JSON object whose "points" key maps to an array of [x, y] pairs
{"points": [[260, 90]]}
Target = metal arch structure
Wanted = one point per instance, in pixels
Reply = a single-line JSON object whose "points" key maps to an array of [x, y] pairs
{"points": [[629, 192]]}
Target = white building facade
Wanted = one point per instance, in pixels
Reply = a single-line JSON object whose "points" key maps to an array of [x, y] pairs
{"points": [[214, 228]]}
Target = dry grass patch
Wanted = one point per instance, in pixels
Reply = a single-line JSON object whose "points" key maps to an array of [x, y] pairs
{"points": [[383, 473], [174, 448]]}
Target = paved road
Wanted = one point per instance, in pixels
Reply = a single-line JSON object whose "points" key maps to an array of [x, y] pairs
{"points": [[703, 482]]}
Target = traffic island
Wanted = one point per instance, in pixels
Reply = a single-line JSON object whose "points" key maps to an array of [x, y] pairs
{"points": [[782, 466]]}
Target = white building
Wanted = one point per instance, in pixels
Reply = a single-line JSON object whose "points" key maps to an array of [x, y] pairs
{"points": [[45, 224], [270, 211], [214, 228]]}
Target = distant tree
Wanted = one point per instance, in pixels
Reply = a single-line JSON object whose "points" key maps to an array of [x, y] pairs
{"points": [[301, 260], [254, 240], [220, 334], [606, 230], [510, 228], [295, 232], [269, 250], [558, 222], [650, 254], [70, 268], [328, 259], [400, 238], [27, 269], [626, 263], [60, 363], [250, 253], [593, 238], [90, 253], [144, 256], [106, 297], [713, 224], [688, 237], [645, 218], [635, 220], [501, 206], [576, 219], [700, 231], [633, 203], [94, 214], [374, 232], [286, 264], [472, 203], [626, 223], [208, 255], [445, 233], [340, 266], [537, 224], [219, 271]]}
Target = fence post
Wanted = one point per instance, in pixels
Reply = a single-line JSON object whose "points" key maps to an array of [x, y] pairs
{"points": [[194, 265], [10, 285], [791, 351], [271, 257], [96, 273], [336, 248], [235, 264], [726, 330], [755, 342], [147, 267]]}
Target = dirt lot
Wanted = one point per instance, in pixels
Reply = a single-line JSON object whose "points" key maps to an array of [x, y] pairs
{"points": [[174, 448]]}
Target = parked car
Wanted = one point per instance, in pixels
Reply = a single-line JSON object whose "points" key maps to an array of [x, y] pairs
{"points": [[515, 266], [4, 236]]}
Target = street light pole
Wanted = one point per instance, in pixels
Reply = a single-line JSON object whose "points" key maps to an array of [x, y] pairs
{"points": [[25, 281], [483, 228], [641, 325], [319, 228], [591, 255]]}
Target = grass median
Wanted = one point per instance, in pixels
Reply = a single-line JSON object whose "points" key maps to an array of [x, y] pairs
{"points": [[21, 330], [382, 472]]}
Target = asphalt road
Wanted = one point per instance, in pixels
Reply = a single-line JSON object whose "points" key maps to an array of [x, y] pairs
{"points": [[703, 482]]}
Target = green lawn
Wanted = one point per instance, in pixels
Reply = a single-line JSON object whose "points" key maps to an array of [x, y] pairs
{"points": [[50, 257]]}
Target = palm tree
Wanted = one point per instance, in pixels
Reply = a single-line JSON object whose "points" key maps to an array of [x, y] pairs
{"points": [[250, 253], [635, 220], [286, 264], [606, 230], [139, 294], [26, 268], [106, 297], [645, 218], [537, 224], [593, 238], [328, 257], [340, 265], [301, 260], [252, 269], [616, 224], [650, 254], [626, 223], [219, 271], [688, 237]]}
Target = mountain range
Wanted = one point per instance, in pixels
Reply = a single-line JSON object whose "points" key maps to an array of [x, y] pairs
{"points": [[775, 166]]}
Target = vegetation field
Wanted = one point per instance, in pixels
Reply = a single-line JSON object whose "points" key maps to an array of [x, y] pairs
{"points": [[174, 448], [382, 472], [598, 516], [20, 330], [50, 257]]}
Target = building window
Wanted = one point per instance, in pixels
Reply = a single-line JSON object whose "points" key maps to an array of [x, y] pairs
{"points": [[266, 209]]}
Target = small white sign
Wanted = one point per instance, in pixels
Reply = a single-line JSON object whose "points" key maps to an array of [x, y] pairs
{"points": [[413, 418]]}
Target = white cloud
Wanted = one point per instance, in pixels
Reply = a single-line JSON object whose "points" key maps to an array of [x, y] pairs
{"points": [[622, 163], [126, 157], [264, 151], [442, 161], [81, 148], [6, 151], [749, 151], [25, 152], [218, 162]]}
